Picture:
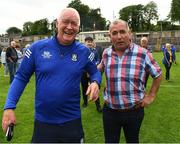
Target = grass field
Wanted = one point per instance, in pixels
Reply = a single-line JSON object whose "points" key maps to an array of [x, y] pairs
{"points": [[161, 123]]}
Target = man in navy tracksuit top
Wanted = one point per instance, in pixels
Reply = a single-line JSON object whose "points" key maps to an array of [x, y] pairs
{"points": [[58, 64], [85, 77]]}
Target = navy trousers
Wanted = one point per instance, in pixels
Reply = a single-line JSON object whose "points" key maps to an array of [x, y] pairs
{"points": [[129, 121], [69, 132]]}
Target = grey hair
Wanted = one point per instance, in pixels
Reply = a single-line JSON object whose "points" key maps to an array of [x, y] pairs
{"points": [[72, 10], [114, 22]]}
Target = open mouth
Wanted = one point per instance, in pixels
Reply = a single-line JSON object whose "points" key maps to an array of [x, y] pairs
{"points": [[120, 43], [70, 33]]}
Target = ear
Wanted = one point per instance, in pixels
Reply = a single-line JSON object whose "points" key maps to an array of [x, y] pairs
{"points": [[56, 24], [130, 35]]}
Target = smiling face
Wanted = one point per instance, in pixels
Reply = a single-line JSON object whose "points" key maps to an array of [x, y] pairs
{"points": [[89, 43], [67, 26]]}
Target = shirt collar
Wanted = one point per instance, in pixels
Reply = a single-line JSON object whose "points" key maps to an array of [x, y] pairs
{"points": [[129, 48]]}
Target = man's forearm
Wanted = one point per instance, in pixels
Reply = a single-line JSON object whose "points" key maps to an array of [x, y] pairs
{"points": [[155, 86]]}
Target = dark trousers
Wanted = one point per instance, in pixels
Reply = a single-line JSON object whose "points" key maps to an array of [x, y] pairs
{"points": [[114, 120], [85, 83], [12, 70], [168, 67], [69, 132]]}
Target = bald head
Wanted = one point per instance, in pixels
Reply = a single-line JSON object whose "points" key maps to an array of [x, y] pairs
{"points": [[144, 42], [67, 26], [69, 11]]}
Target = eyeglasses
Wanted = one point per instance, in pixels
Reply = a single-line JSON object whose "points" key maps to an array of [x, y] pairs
{"points": [[73, 23]]}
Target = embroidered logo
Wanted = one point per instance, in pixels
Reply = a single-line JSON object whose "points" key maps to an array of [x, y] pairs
{"points": [[74, 57], [46, 54]]}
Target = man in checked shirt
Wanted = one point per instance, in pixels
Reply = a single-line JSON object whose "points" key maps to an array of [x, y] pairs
{"points": [[125, 65]]}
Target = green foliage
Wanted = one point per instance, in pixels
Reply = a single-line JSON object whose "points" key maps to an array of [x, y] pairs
{"points": [[140, 17], [175, 11], [161, 123], [150, 14], [13, 31], [133, 15], [27, 28], [39, 27], [91, 19]]}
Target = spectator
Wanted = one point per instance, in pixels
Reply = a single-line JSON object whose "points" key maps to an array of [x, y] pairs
{"points": [[11, 59], [20, 56], [168, 59], [3, 61], [144, 44], [85, 77]]}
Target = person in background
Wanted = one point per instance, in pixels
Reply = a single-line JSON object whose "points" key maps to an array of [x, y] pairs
{"points": [[3, 61], [58, 64], [173, 51], [99, 50], [85, 77], [144, 44], [125, 65], [11, 59], [168, 59], [20, 55]]}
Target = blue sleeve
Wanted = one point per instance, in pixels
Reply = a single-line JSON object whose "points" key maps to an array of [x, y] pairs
{"points": [[94, 73], [14, 94], [20, 81]]}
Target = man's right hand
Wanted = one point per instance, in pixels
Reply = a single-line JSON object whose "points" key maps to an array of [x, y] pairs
{"points": [[8, 118]]}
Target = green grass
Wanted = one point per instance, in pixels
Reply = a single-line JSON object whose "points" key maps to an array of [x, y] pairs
{"points": [[161, 122]]}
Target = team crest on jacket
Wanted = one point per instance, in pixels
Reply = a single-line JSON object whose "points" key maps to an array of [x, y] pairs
{"points": [[46, 54], [74, 57]]}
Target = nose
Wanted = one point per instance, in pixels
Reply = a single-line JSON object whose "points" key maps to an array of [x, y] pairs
{"points": [[119, 35], [69, 25]]}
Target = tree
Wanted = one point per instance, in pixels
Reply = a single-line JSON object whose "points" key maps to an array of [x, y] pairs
{"points": [[83, 12], [96, 22], [39, 27], [27, 28], [133, 15], [91, 19], [140, 17], [150, 14], [13, 31], [175, 11]]}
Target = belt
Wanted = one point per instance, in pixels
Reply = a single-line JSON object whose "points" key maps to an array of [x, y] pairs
{"points": [[134, 108]]}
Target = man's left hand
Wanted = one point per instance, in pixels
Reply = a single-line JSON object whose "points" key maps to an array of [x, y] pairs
{"points": [[93, 91]]}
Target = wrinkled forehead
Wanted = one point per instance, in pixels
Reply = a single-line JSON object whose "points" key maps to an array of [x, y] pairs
{"points": [[144, 40], [70, 15], [118, 26]]}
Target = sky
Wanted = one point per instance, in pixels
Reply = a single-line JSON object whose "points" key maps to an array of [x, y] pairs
{"points": [[14, 13]]}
